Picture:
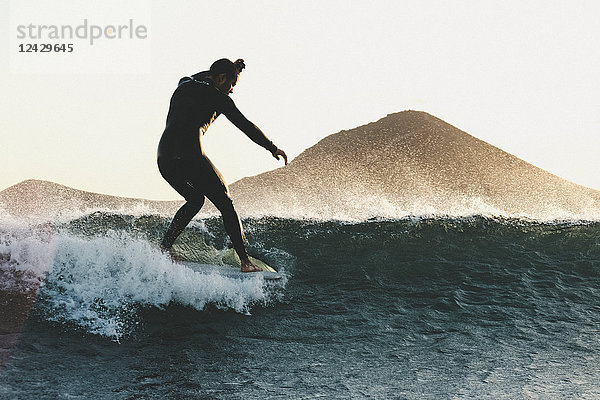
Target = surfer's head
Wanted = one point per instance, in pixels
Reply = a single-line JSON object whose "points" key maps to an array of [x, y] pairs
{"points": [[226, 73]]}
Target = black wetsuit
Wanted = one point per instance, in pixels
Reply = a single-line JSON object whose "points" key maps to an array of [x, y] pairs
{"points": [[194, 106]]}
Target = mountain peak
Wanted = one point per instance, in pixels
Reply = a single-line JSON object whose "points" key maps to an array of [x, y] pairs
{"points": [[410, 162], [407, 163]]}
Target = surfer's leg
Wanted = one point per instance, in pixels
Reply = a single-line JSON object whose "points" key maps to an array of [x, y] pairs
{"points": [[194, 181], [179, 174], [218, 193], [232, 223], [182, 218], [233, 227]]}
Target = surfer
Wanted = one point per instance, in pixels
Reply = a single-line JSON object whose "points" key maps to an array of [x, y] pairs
{"points": [[196, 102]]}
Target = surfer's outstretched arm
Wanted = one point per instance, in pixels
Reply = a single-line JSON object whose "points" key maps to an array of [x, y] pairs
{"points": [[236, 117]]}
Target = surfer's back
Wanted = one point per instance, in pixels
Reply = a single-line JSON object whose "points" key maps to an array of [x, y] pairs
{"points": [[193, 107]]}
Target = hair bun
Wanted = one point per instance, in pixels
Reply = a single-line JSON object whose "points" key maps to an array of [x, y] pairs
{"points": [[239, 64]]}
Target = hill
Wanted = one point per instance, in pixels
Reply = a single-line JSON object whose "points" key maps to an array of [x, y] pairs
{"points": [[410, 163], [42, 198], [407, 163]]}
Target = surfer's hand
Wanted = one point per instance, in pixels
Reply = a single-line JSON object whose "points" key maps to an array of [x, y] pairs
{"points": [[281, 153]]}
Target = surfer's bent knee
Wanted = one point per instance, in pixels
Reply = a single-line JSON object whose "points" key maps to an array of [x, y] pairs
{"points": [[195, 202]]}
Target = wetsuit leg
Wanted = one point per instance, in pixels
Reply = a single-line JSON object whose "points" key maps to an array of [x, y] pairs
{"points": [[232, 223], [194, 181], [182, 218], [218, 193], [177, 174]]}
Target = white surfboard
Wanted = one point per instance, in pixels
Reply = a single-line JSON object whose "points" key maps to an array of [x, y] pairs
{"points": [[233, 272], [226, 263]]}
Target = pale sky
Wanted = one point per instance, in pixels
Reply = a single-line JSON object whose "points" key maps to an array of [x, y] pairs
{"points": [[521, 75]]}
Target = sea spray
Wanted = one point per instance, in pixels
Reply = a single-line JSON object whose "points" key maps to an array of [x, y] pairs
{"points": [[471, 306], [99, 284], [98, 271], [26, 251]]}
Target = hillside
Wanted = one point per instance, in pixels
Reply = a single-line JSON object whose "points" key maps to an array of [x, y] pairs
{"points": [[408, 163], [42, 198]]}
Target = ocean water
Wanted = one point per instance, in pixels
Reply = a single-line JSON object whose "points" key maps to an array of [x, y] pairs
{"points": [[410, 308]]}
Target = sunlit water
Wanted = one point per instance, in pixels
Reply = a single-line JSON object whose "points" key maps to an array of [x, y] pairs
{"points": [[466, 307]]}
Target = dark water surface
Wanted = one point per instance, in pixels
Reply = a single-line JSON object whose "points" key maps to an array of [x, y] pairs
{"points": [[414, 308]]}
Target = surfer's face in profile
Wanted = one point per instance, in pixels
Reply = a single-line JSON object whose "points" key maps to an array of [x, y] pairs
{"points": [[226, 85]]}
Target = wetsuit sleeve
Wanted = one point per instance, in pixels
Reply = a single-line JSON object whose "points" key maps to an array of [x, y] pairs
{"points": [[233, 114]]}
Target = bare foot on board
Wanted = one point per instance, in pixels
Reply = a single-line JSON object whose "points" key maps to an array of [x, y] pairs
{"points": [[248, 266]]}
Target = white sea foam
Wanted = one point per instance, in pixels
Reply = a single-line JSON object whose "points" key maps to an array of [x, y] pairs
{"points": [[98, 284], [26, 251]]}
